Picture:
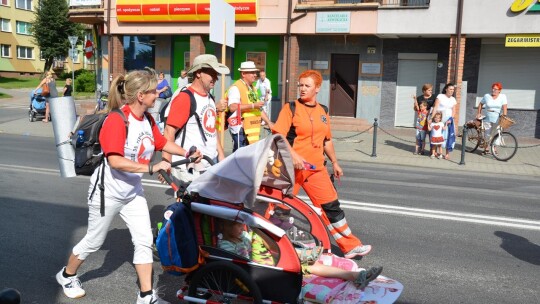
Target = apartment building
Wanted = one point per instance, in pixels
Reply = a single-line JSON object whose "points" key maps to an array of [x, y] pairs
{"points": [[373, 54], [18, 53]]}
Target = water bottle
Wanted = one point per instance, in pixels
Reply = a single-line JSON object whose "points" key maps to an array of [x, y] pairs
{"points": [[80, 139], [308, 166]]}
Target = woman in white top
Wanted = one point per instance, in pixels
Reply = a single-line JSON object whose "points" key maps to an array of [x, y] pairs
{"points": [[494, 105], [446, 104]]}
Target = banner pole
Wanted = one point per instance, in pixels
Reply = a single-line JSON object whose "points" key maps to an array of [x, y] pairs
{"points": [[223, 57]]}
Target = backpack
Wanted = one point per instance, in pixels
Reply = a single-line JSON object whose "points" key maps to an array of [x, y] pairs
{"points": [[291, 135], [176, 242], [89, 156], [164, 113]]}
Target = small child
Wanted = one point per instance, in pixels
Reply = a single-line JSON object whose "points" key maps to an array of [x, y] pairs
{"points": [[68, 88], [236, 239], [421, 126], [436, 128]]}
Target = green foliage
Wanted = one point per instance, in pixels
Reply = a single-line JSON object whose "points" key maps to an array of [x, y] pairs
{"points": [[64, 75], [85, 82], [19, 82], [51, 28]]}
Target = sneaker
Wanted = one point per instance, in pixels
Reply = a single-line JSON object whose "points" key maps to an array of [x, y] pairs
{"points": [[151, 299], [358, 250], [432, 156], [440, 156], [72, 285]]}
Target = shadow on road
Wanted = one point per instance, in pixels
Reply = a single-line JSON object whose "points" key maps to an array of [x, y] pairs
{"points": [[520, 247]]}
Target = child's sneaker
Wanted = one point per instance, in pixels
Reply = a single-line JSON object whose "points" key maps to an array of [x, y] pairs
{"points": [[358, 250], [151, 299], [440, 156], [432, 156], [72, 285]]}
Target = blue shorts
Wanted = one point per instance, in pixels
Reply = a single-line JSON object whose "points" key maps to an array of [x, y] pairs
{"points": [[420, 134]]}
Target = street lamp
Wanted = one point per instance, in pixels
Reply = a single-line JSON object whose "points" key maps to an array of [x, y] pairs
{"points": [[73, 41]]}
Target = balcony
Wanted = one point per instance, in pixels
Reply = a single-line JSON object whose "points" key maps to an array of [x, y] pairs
{"points": [[93, 14], [359, 4]]}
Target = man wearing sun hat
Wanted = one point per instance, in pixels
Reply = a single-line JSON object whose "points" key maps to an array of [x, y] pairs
{"points": [[198, 130], [245, 121]]}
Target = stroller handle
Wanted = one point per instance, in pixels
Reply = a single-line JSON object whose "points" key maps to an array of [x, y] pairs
{"points": [[185, 161]]}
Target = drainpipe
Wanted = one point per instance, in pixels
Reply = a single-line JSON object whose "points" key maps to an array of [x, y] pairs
{"points": [[111, 44], [458, 41], [290, 20]]}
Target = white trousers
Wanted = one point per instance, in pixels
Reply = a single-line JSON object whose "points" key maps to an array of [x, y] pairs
{"points": [[137, 218]]}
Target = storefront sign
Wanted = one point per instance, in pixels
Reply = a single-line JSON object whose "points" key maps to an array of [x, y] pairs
{"points": [[333, 22], [523, 40], [320, 65], [84, 2], [180, 10], [370, 68]]}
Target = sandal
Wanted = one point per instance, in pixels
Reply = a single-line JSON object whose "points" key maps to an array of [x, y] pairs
{"points": [[486, 152], [366, 276], [310, 255]]}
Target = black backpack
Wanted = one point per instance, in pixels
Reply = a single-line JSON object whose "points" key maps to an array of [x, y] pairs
{"points": [[291, 135], [192, 112], [89, 156]]}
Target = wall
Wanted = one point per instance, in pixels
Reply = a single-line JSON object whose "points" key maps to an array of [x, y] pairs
{"points": [[497, 18]]}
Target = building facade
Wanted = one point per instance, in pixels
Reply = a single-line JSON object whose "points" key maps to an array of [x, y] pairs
{"points": [[373, 55], [18, 53]]}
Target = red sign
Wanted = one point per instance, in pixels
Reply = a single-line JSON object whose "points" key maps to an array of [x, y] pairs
{"points": [[89, 49]]}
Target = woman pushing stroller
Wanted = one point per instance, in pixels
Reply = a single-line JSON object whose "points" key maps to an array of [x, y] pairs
{"points": [[128, 151]]}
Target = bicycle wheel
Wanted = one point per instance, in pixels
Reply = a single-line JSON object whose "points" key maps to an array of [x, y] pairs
{"points": [[504, 146], [473, 140], [224, 282]]}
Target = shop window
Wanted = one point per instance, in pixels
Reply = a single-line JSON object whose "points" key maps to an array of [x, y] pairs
{"points": [[24, 4], [24, 52], [6, 50], [23, 28], [6, 25], [139, 52]]}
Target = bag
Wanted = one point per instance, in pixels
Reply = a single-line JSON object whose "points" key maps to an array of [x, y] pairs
{"points": [[45, 91], [167, 93], [176, 242], [164, 113]]}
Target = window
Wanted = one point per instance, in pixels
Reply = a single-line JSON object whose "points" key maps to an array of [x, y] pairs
{"points": [[6, 25], [4, 2], [23, 28], [6, 50], [139, 51], [24, 4], [24, 52]]}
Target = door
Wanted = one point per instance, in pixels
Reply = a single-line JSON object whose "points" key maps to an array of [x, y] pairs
{"points": [[343, 84], [412, 74]]}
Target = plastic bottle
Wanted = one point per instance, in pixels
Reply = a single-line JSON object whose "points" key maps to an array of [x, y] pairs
{"points": [[80, 139], [308, 166]]}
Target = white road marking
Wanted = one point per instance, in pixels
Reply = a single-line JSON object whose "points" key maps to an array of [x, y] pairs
{"points": [[353, 205]]}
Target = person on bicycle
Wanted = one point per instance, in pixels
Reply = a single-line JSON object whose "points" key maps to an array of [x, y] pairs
{"points": [[494, 105]]}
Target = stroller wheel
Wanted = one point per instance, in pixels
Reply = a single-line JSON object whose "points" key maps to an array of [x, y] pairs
{"points": [[224, 282], [31, 116]]}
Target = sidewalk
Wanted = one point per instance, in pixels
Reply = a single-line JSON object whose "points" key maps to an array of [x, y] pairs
{"points": [[394, 145]]}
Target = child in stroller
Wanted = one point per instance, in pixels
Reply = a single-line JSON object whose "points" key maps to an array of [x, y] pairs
{"points": [[235, 238], [37, 106]]}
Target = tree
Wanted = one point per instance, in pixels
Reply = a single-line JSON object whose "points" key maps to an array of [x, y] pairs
{"points": [[51, 28]]}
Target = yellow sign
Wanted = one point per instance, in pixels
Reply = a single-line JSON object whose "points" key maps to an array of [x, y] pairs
{"points": [[523, 40]]}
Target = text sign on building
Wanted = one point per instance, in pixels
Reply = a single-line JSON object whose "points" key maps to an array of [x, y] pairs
{"points": [[522, 40], [333, 22], [180, 10]]}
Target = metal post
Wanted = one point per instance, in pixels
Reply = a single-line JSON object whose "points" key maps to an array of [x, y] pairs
{"points": [[73, 41], [374, 151], [463, 144]]}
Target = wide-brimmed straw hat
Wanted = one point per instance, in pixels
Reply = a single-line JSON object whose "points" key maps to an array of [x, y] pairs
{"points": [[248, 66], [208, 61]]}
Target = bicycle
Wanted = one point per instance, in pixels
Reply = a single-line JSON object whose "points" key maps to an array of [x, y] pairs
{"points": [[101, 100], [503, 144]]}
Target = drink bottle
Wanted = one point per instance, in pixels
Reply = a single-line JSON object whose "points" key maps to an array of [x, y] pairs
{"points": [[308, 166], [80, 139]]}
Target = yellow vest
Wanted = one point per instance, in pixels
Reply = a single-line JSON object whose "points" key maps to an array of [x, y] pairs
{"points": [[251, 120]]}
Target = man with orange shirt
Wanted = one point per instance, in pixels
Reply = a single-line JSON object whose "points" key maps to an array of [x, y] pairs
{"points": [[308, 133]]}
